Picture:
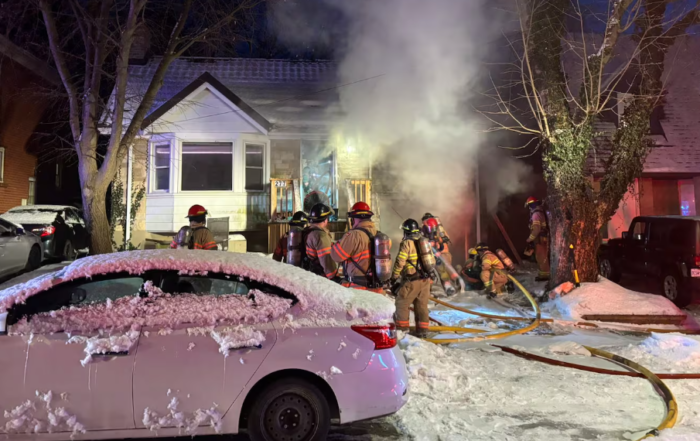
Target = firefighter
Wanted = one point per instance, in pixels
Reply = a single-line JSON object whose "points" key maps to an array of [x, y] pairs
{"points": [[353, 249], [472, 271], [201, 238], [539, 237], [493, 273], [318, 243], [413, 281], [299, 220], [431, 230]]}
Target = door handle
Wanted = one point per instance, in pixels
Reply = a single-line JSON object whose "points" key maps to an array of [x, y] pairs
{"points": [[111, 354]]}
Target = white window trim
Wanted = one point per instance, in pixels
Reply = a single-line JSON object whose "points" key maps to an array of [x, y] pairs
{"points": [[2, 165], [152, 181], [196, 140], [265, 166], [31, 195]]}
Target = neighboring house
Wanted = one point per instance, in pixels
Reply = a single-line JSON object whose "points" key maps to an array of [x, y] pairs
{"points": [[22, 77], [221, 129], [671, 177]]}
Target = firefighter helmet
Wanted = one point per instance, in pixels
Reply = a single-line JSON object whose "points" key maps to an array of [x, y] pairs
{"points": [[481, 246], [426, 216], [531, 201], [320, 212], [410, 226], [432, 224], [360, 210], [300, 219], [197, 210], [472, 252]]}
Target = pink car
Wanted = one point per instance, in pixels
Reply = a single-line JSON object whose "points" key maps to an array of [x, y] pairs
{"points": [[172, 342]]}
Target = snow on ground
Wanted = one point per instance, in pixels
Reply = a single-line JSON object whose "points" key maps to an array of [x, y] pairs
{"points": [[606, 297]]}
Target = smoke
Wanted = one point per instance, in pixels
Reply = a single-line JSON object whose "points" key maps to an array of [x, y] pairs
{"points": [[411, 72]]}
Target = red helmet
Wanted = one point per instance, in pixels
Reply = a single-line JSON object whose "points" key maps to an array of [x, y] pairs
{"points": [[361, 210], [196, 210], [431, 223], [531, 200]]}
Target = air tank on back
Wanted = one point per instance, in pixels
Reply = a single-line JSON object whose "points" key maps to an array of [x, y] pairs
{"points": [[505, 259], [425, 251], [183, 237], [294, 246], [382, 257]]}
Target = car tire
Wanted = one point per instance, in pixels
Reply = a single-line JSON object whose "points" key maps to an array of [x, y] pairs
{"points": [[289, 409], [34, 259], [674, 288], [608, 270], [68, 251]]}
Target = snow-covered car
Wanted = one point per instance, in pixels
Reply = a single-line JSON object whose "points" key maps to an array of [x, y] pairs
{"points": [[19, 250], [61, 228], [176, 342]]}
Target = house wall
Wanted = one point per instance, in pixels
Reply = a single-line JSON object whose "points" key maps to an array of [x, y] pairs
{"points": [[20, 112], [285, 158]]}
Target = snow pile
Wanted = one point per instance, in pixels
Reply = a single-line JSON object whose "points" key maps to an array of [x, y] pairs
{"points": [[159, 310], [105, 345], [315, 294], [39, 416], [568, 348], [665, 353], [175, 418], [236, 338], [606, 297], [459, 394]]}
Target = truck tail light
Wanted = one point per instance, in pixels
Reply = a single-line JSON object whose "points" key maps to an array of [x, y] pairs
{"points": [[384, 337], [46, 231], [697, 261]]}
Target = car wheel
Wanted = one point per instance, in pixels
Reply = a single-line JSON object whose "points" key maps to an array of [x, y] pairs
{"points": [[68, 251], [674, 289], [291, 409], [607, 270], [34, 260]]}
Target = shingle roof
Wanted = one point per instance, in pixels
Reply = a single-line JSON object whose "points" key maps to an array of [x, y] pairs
{"points": [[295, 96]]}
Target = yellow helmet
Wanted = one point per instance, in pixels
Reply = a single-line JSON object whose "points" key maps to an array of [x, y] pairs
{"points": [[472, 252]]}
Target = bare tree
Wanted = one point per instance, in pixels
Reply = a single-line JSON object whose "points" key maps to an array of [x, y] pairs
{"points": [[91, 43], [566, 78]]}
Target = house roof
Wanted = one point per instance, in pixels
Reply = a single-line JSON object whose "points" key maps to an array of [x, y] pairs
{"points": [[678, 151], [205, 78], [293, 96]]}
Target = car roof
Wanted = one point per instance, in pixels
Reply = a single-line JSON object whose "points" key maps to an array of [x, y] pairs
{"points": [[315, 294], [672, 217], [41, 207]]}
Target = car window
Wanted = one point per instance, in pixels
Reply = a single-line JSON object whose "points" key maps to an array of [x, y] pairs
{"points": [[5, 228], [639, 230], [658, 232], [203, 285], [79, 293], [681, 234]]}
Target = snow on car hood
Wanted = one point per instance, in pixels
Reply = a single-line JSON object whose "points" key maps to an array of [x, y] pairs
{"points": [[316, 295], [30, 217]]}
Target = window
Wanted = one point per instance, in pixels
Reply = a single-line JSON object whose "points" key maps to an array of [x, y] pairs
{"points": [[686, 193], [6, 228], [32, 190], [658, 232], [72, 216], [173, 283], [207, 166], [2, 165], [318, 174], [162, 167], [639, 231], [59, 174], [254, 160]]}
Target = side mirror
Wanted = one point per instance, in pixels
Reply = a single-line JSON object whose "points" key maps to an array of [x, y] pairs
{"points": [[19, 231], [625, 235]]}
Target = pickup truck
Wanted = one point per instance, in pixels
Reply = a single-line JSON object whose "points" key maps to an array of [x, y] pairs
{"points": [[665, 249]]}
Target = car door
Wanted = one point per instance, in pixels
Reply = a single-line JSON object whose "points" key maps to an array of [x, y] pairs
{"points": [[657, 249], [59, 343], [184, 370], [635, 249], [13, 251]]}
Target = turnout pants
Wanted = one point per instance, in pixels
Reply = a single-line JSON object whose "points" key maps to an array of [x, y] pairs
{"points": [[542, 256], [416, 293], [494, 281]]}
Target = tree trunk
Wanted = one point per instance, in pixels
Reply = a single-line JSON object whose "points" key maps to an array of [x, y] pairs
{"points": [[98, 224]]}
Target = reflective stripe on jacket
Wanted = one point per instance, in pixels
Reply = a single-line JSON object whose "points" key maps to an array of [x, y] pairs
{"points": [[407, 254], [318, 251], [355, 246]]}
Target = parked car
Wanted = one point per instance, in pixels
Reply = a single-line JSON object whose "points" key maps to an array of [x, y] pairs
{"points": [[665, 249], [19, 250], [176, 342], [61, 228]]}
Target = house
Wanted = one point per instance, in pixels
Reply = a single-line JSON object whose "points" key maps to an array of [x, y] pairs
{"points": [[22, 78], [671, 175], [249, 139]]}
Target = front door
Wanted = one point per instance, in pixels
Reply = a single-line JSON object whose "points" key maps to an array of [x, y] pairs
{"points": [[61, 358], [189, 375], [635, 250]]}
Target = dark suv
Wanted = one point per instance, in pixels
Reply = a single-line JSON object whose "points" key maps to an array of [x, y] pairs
{"points": [[664, 248]]}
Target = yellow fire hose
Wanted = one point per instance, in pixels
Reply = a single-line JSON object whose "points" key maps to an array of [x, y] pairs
{"points": [[663, 390]]}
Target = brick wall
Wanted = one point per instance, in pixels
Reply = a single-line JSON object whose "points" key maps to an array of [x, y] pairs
{"points": [[20, 112]]}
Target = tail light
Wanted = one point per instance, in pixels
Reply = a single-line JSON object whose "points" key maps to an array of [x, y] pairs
{"points": [[384, 337], [46, 231], [697, 261]]}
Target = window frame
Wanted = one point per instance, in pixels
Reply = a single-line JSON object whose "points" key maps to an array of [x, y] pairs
{"points": [[645, 234], [153, 187], [31, 194], [262, 168], [2, 165], [181, 149]]}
